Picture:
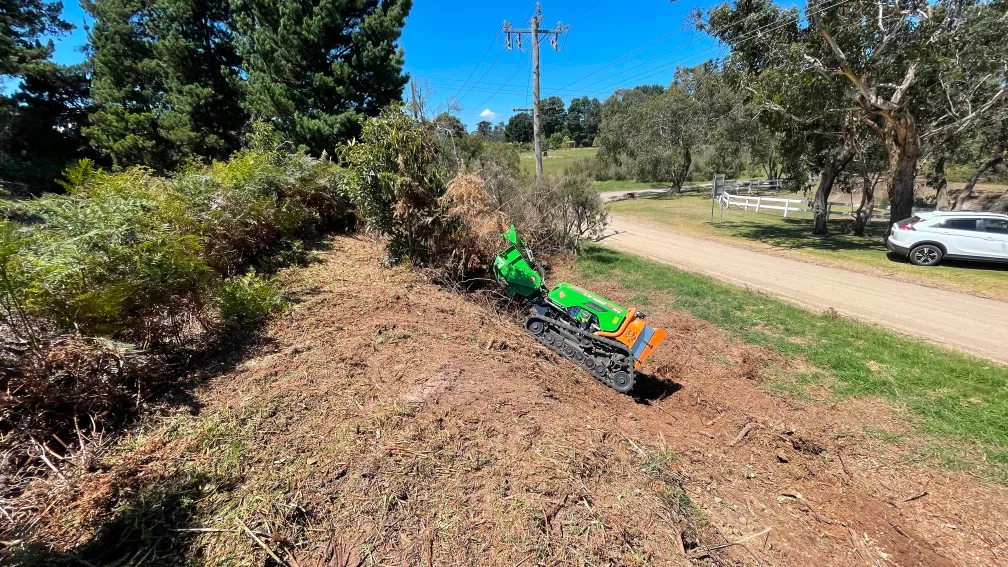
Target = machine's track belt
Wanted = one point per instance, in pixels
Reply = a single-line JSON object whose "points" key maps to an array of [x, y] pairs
{"points": [[609, 361]]}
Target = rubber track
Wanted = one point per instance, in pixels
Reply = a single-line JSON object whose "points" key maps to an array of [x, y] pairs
{"points": [[610, 347]]}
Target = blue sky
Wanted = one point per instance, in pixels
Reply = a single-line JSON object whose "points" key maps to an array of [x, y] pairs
{"points": [[445, 39]]}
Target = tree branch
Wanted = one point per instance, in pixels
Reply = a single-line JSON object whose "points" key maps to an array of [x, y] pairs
{"points": [[908, 80], [961, 123], [868, 99]]}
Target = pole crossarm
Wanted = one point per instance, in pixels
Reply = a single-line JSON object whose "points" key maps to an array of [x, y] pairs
{"points": [[534, 34]]}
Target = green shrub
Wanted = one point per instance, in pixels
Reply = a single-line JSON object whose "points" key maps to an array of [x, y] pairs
{"points": [[109, 258], [103, 281], [556, 141], [140, 258], [249, 299], [399, 177], [602, 169]]}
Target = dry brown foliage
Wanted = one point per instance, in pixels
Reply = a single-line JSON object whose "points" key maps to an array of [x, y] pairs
{"points": [[477, 225]]}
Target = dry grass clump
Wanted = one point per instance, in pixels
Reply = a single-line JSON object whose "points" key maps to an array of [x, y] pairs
{"points": [[476, 224], [92, 378]]}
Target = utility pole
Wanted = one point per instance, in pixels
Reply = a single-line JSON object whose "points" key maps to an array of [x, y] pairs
{"points": [[535, 32]]}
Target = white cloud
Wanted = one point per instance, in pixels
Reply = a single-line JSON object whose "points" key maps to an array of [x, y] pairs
{"points": [[488, 114]]}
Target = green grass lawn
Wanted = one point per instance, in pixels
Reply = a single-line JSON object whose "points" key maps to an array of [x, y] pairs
{"points": [[951, 396], [793, 237], [616, 185], [557, 160]]}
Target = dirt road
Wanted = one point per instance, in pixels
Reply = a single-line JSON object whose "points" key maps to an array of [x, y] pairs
{"points": [[971, 324]]}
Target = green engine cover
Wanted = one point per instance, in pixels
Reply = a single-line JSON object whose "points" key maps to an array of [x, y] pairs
{"points": [[610, 316], [516, 269]]}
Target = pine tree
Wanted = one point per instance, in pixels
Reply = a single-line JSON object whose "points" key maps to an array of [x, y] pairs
{"points": [[315, 68], [203, 90], [126, 84], [40, 102], [40, 126], [23, 23], [582, 122], [166, 81], [552, 116]]}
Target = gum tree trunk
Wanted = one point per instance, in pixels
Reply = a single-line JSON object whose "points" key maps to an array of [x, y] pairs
{"points": [[903, 161], [863, 215], [968, 190], [679, 177], [1001, 205], [820, 203], [941, 185]]}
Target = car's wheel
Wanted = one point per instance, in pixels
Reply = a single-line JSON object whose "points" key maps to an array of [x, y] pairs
{"points": [[926, 255]]}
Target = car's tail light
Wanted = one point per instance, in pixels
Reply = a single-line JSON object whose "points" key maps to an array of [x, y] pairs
{"points": [[908, 225]]}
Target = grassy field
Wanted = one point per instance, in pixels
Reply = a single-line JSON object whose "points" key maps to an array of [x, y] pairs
{"points": [[793, 237], [617, 185], [557, 160], [947, 395]]}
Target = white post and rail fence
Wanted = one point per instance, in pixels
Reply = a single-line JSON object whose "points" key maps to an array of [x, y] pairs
{"points": [[720, 195]]}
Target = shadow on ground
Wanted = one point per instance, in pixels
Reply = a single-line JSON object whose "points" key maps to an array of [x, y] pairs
{"points": [[650, 388], [153, 527], [963, 264], [796, 234]]}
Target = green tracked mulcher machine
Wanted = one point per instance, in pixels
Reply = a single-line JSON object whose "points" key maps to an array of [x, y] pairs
{"points": [[596, 334]]}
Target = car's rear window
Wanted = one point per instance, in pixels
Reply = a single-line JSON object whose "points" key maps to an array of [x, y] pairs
{"points": [[910, 220], [962, 224]]}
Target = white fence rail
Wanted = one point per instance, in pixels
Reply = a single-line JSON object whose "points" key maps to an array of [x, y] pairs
{"points": [[759, 203]]}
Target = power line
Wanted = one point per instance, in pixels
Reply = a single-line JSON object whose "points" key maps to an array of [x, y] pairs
{"points": [[641, 64], [536, 35], [480, 62], [484, 88], [631, 54], [447, 80], [826, 4], [489, 98], [583, 12], [499, 55], [528, 86], [651, 72]]}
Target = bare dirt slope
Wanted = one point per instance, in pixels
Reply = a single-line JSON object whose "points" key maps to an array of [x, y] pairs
{"points": [[965, 322], [386, 421]]}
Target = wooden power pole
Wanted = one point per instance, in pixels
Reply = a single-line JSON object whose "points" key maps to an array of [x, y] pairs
{"points": [[534, 32]]}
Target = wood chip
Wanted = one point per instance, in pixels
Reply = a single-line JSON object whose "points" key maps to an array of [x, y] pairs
{"points": [[749, 427]]}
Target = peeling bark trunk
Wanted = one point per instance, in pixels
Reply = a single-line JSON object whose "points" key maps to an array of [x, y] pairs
{"points": [[968, 190], [1001, 205], [820, 203], [772, 169], [903, 161], [863, 215], [941, 185], [679, 177]]}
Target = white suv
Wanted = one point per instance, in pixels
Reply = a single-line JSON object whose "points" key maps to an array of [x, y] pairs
{"points": [[926, 238]]}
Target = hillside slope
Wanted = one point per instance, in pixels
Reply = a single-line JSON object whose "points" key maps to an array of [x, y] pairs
{"points": [[383, 420]]}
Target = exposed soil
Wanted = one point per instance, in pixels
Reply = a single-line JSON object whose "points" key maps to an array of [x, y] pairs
{"points": [[383, 420]]}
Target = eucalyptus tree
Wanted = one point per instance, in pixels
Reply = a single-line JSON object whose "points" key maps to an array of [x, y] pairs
{"points": [[809, 113], [915, 70], [658, 129]]}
